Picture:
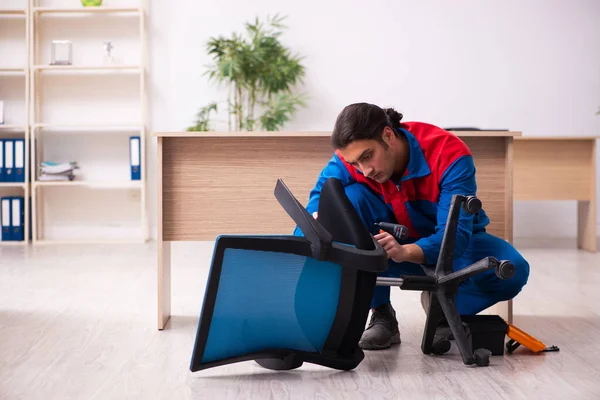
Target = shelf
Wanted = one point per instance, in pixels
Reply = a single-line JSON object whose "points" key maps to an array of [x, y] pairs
{"points": [[101, 69], [13, 243], [93, 184], [12, 71], [16, 128], [86, 10], [89, 127], [20, 13], [91, 241], [12, 184]]}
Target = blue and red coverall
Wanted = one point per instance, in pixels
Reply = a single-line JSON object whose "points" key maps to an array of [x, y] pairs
{"points": [[440, 165]]}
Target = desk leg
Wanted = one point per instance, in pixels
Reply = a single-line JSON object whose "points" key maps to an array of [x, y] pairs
{"points": [[505, 308], [586, 225], [164, 283], [586, 210]]}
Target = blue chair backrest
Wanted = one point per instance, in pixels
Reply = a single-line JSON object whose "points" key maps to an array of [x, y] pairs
{"points": [[268, 300]]}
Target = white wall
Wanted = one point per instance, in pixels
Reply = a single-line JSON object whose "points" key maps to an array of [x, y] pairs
{"points": [[531, 66]]}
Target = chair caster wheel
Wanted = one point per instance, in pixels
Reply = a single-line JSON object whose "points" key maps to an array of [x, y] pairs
{"points": [[482, 357], [505, 270], [285, 363], [441, 346]]}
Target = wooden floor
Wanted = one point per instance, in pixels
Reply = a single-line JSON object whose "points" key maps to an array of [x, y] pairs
{"points": [[79, 322]]}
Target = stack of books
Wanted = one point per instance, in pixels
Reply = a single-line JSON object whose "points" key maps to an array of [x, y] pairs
{"points": [[53, 171]]}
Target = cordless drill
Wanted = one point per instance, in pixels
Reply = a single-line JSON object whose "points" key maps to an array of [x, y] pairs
{"points": [[399, 232]]}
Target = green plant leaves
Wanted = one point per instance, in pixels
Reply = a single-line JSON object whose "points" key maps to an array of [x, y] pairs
{"points": [[280, 109], [260, 74], [202, 118]]}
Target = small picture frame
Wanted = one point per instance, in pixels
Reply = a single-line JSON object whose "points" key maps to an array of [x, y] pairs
{"points": [[61, 52]]}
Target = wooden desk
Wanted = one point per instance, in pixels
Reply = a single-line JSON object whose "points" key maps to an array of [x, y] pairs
{"points": [[560, 168], [222, 183]]}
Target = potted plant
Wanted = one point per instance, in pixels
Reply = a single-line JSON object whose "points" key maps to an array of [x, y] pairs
{"points": [[260, 75]]}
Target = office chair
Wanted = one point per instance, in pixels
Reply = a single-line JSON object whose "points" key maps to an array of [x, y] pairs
{"points": [[285, 300], [443, 282]]}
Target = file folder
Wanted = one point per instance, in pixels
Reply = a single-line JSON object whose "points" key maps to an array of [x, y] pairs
{"points": [[5, 207], [17, 219], [2, 160], [19, 160], [134, 157], [8, 160]]}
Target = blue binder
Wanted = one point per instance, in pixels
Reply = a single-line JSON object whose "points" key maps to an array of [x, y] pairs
{"points": [[2, 160], [17, 219], [5, 214], [9, 160], [135, 158], [19, 160]]}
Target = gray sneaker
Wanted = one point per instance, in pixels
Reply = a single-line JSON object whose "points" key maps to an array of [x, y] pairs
{"points": [[382, 331]]}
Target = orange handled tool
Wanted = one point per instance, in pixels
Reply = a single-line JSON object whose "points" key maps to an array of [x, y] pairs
{"points": [[518, 338]]}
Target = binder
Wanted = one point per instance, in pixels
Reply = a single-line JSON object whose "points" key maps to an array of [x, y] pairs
{"points": [[8, 160], [19, 160], [134, 158], [5, 208], [17, 219], [1, 160]]}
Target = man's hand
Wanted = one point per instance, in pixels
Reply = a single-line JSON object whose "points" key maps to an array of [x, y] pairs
{"points": [[400, 252], [393, 249]]}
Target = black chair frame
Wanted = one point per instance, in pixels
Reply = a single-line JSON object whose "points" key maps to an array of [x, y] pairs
{"points": [[443, 282]]}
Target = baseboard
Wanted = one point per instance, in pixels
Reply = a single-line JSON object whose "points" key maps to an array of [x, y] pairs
{"points": [[546, 242]]}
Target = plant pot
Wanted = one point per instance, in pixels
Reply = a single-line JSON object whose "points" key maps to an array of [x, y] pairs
{"points": [[91, 3]]}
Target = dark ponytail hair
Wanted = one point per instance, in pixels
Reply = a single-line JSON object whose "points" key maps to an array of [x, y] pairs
{"points": [[363, 121]]}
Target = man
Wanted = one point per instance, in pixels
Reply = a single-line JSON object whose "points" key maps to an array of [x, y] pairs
{"points": [[406, 173]]}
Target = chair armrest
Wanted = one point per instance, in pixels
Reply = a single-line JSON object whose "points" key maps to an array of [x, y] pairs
{"points": [[352, 257]]}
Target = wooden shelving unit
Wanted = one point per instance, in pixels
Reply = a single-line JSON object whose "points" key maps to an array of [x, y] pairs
{"points": [[45, 132], [93, 184], [13, 128], [86, 10], [100, 69]]}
